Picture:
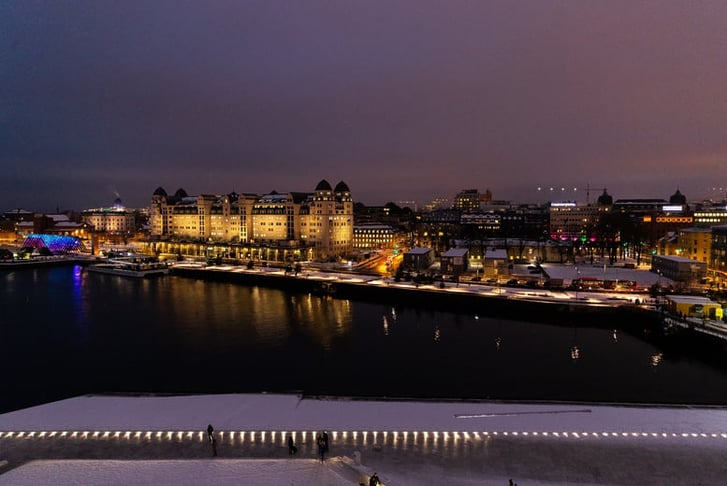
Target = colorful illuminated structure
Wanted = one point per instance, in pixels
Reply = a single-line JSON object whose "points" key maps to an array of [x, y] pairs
{"points": [[57, 244]]}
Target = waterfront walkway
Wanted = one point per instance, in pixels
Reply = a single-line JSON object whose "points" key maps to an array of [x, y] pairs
{"points": [[161, 440]]}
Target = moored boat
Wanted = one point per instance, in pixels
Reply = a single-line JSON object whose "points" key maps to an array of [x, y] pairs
{"points": [[130, 269]]}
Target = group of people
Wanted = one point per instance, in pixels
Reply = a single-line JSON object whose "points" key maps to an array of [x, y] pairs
{"points": [[321, 442]]}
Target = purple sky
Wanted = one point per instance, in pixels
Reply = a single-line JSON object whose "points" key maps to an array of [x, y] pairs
{"points": [[401, 100]]}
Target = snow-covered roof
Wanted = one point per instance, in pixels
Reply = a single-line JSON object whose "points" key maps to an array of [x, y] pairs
{"points": [[499, 254], [675, 258], [690, 299], [58, 217], [455, 252]]}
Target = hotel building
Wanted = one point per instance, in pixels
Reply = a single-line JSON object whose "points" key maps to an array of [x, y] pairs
{"points": [[316, 225]]}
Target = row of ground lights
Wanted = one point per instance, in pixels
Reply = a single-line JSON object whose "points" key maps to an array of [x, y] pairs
{"points": [[345, 435]]}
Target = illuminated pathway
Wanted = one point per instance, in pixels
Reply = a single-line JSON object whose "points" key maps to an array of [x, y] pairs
{"points": [[608, 299], [464, 443], [557, 457]]}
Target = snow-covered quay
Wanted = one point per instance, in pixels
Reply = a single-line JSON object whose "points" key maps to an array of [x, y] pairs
{"points": [[161, 440]]}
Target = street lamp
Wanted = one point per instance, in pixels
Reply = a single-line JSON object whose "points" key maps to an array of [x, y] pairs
{"points": [[578, 277]]}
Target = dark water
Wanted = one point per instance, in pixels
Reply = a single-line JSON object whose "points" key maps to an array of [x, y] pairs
{"points": [[65, 332]]}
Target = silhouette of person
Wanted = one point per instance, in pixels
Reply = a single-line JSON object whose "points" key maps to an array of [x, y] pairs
{"points": [[291, 447], [210, 429], [374, 480], [325, 440], [321, 447]]}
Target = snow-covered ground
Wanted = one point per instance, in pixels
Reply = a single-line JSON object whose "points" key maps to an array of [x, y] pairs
{"points": [[250, 412], [242, 417]]}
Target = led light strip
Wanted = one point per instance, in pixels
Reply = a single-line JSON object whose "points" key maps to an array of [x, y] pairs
{"points": [[279, 436]]}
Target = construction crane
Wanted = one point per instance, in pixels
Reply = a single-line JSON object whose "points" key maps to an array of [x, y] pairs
{"points": [[588, 192]]}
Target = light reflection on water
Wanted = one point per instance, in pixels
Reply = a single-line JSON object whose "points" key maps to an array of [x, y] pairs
{"points": [[94, 333]]}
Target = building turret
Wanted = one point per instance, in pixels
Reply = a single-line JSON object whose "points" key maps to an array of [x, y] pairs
{"points": [[605, 199], [678, 198]]}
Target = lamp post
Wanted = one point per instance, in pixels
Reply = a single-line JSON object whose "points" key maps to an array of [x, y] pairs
{"points": [[659, 301], [578, 277]]}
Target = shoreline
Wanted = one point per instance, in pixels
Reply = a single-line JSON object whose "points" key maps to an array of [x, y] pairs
{"points": [[465, 298]]}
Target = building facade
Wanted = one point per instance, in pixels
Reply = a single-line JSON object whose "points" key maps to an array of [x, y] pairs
{"points": [[571, 222], [321, 220], [115, 219], [718, 259], [373, 236], [679, 269], [695, 243]]}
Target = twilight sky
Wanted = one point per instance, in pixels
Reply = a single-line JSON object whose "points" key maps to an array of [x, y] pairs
{"points": [[400, 99]]}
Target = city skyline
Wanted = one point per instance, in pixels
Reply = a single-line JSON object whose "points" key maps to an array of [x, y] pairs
{"points": [[401, 100]]}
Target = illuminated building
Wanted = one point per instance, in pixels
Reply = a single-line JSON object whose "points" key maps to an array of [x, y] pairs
{"points": [[321, 220], [116, 219], [481, 224], [373, 236], [329, 220], [437, 229], [639, 206], [709, 217], [467, 201], [718, 260], [571, 222], [436, 204], [695, 243]]}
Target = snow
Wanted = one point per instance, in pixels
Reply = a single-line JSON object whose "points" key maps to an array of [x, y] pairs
{"points": [[287, 413], [197, 472], [240, 412]]}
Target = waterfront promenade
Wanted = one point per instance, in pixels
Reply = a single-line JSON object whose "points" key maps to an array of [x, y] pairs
{"points": [[313, 278], [499, 298], [161, 440]]}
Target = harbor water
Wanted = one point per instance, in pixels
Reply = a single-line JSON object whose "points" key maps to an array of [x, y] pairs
{"points": [[67, 332]]}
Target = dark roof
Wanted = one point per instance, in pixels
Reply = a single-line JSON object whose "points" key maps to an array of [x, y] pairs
{"points": [[640, 201], [299, 197], [678, 198], [160, 192], [605, 199], [342, 187], [323, 186]]}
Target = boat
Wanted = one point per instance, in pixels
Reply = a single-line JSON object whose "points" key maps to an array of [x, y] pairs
{"points": [[130, 268], [42, 261]]}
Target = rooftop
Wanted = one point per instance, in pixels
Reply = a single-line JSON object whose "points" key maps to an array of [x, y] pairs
{"points": [[161, 440]]}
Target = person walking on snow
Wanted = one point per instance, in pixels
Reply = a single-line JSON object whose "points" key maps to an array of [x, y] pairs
{"points": [[325, 440], [374, 480], [321, 448]]}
